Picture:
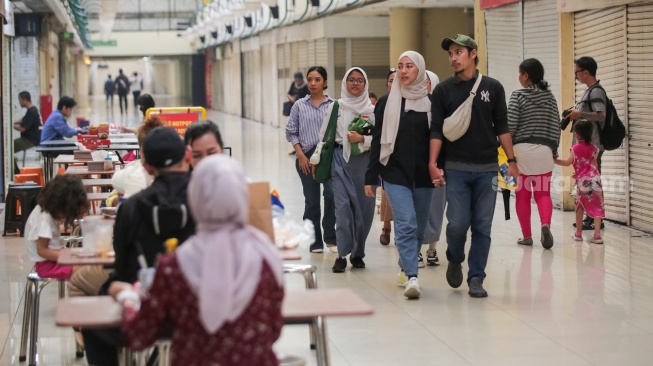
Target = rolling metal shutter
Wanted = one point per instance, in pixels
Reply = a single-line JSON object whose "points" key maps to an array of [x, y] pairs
{"points": [[541, 42], [269, 70], [505, 49], [601, 34], [340, 65], [302, 56], [371, 54], [283, 81], [321, 52], [640, 119], [247, 89], [541, 39]]}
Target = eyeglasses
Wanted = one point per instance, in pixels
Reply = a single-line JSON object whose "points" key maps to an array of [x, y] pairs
{"points": [[356, 81]]}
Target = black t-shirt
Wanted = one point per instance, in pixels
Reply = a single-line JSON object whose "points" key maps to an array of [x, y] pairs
{"points": [[478, 146], [31, 123], [408, 164], [298, 93]]}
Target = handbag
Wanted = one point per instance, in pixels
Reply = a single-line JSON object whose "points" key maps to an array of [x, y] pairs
{"points": [[323, 168], [456, 125], [287, 106]]}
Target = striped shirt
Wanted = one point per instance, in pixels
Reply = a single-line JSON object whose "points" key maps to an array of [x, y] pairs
{"points": [[533, 117], [305, 122]]}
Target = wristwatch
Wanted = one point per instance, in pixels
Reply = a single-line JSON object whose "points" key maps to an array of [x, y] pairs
{"points": [[512, 160]]}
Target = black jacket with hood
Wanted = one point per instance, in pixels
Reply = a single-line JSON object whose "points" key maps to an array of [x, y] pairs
{"points": [[148, 219]]}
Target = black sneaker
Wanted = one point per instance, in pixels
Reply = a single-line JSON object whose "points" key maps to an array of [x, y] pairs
{"points": [[420, 261], [455, 275], [357, 262], [340, 265], [476, 287], [432, 258]]}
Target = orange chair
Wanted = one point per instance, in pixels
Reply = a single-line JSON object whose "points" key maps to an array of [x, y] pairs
{"points": [[34, 170], [24, 178], [61, 171]]}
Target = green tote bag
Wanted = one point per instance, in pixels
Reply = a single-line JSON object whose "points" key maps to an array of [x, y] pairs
{"points": [[323, 169]]}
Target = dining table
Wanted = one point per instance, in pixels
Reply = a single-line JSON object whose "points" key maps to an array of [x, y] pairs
{"points": [[79, 257], [85, 171], [299, 307], [49, 154]]}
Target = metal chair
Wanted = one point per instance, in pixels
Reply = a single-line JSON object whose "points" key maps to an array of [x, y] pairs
{"points": [[308, 271], [33, 290]]}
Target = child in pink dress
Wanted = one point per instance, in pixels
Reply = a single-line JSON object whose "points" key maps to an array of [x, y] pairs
{"points": [[589, 195], [61, 201]]}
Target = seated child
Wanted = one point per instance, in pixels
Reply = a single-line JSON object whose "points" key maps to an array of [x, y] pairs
{"points": [[62, 200]]}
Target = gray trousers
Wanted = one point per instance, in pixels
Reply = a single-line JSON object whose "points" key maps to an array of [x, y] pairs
{"points": [[354, 210], [434, 224]]}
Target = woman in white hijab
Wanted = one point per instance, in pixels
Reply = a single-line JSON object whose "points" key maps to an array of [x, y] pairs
{"points": [[222, 290], [400, 154], [354, 210]]}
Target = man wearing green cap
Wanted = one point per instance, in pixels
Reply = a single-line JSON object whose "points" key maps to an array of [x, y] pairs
{"points": [[471, 158]]}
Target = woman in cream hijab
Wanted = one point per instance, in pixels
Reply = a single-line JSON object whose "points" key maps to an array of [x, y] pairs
{"points": [[221, 292], [400, 154], [354, 210]]}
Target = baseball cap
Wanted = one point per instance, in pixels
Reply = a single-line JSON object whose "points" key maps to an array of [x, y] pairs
{"points": [[460, 39], [163, 147], [299, 75]]}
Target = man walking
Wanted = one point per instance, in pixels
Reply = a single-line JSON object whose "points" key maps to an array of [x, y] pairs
{"points": [[592, 107], [29, 127], [136, 86], [109, 89], [123, 89], [470, 173]]}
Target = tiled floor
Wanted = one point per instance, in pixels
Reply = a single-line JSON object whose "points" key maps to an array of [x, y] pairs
{"points": [[577, 304]]}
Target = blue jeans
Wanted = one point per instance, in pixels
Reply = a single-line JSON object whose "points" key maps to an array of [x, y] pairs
{"points": [[410, 207], [312, 210], [471, 198]]}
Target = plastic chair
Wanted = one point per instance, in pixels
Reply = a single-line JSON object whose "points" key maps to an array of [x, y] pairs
{"points": [[25, 194], [34, 170]]}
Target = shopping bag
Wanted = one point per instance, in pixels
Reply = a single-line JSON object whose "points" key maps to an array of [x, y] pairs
{"points": [[260, 208]]}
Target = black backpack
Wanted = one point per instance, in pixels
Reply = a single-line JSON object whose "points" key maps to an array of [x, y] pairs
{"points": [[614, 131]]}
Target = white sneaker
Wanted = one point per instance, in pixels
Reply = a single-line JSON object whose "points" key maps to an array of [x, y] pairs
{"points": [[413, 289], [333, 248]]}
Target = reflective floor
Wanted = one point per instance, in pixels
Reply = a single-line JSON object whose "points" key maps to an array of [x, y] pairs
{"points": [[577, 304]]}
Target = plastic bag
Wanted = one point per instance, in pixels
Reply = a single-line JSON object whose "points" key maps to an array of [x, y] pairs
{"points": [[289, 233]]}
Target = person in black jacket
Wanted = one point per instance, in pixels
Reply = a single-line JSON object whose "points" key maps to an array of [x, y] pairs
{"points": [[122, 84], [143, 223]]}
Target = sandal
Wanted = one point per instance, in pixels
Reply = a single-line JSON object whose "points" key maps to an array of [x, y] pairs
{"points": [[525, 241]]}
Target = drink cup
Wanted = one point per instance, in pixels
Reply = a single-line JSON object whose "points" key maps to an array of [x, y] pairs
{"points": [[145, 279]]}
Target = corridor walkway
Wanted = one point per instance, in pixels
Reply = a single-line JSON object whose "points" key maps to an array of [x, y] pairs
{"points": [[577, 304]]}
